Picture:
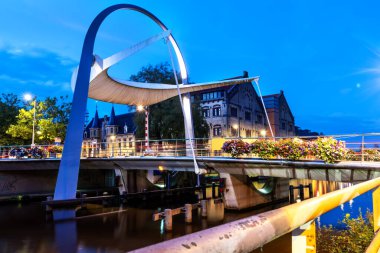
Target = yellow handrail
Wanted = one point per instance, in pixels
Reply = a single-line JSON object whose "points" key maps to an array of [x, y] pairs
{"points": [[248, 234], [375, 244]]}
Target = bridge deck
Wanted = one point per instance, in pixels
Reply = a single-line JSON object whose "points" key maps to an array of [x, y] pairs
{"points": [[318, 170]]}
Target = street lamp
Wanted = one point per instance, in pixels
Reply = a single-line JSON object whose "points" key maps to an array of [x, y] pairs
{"points": [[235, 126], [113, 137], [28, 97], [141, 108], [263, 133]]}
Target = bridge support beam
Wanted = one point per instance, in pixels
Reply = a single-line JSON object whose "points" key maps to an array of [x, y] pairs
{"points": [[239, 195], [304, 238]]}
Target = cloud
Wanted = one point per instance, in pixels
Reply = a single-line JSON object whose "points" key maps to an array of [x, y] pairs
{"points": [[35, 70]]}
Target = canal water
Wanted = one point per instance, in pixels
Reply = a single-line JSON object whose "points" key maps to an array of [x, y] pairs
{"points": [[28, 228]]}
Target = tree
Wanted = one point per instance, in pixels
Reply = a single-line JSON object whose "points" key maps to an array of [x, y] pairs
{"points": [[51, 121], [166, 118], [9, 107], [355, 237]]}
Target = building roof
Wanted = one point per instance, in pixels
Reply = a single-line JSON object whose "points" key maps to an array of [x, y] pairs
{"points": [[95, 121], [121, 121], [112, 121]]}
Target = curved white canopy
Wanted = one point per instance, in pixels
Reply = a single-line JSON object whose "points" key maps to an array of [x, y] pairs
{"points": [[108, 89]]}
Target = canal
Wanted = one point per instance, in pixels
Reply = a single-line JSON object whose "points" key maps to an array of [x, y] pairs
{"points": [[26, 227]]}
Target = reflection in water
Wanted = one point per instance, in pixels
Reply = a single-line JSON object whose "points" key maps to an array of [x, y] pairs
{"points": [[66, 236], [27, 228], [31, 229], [319, 187]]}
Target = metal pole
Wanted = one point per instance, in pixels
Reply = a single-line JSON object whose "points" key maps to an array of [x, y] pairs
{"points": [[363, 148], [168, 219], [34, 121], [213, 190], [188, 213], [310, 190], [291, 193], [302, 195], [146, 128]]}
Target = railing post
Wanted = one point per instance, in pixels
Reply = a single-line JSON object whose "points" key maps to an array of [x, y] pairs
{"points": [[362, 148], [204, 208], [168, 220], [310, 190], [176, 148], [204, 196], [291, 194], [376, 209], [188, 213], [302, 194], [375, 244], [304, 237]]}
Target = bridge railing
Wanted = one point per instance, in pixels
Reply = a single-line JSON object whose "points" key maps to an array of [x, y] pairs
{"points": [[364, 147], [248, 234]]}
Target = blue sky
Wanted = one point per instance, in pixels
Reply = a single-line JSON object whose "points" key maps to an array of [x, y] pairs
{"points": [[325, 55]]}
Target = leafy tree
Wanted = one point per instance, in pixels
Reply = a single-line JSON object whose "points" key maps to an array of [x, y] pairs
{"points": [[166, 118], [9, 107], [354, 238], [51, 121]]}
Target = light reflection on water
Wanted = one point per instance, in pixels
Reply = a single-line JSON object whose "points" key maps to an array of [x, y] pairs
{"points": [[27, 228]]}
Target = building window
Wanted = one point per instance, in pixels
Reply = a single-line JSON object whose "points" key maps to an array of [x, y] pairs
{"points": [[212, 95], [248, 133], [216, 111], [248, 116], [125, 142], [290, 127], [283, 126], [233, 112], [206, 112], [130, 142], [217, 130], [259, 119]]}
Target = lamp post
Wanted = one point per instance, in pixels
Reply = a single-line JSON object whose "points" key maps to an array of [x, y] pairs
{"points": [[28, 97], [263, 133], [141, 108], [113, 137], [237, 128]]}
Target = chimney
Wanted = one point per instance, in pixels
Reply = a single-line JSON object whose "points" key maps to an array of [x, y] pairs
{"points": [[245, 74]]}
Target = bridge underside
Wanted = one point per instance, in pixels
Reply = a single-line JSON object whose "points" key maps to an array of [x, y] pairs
{"points": [[340, 172]]}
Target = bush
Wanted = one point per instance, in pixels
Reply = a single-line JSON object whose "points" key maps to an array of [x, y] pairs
{"points": [[371, 155], [352, 156], [236, 148], [354, 238], [328, 149], [264, 148], [293, 149], [55, 149]]}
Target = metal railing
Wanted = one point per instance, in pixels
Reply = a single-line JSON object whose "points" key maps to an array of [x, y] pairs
{"points": [[248, 234], [364, 147]]}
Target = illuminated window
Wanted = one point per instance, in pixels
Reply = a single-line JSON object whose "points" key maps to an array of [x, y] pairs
{"points": [[216, 111], [206, 112], [217, 130]]}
